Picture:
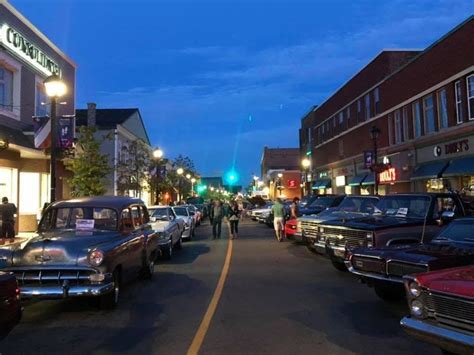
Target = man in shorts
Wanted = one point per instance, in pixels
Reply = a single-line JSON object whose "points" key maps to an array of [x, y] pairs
{"points": [[279, 219]]}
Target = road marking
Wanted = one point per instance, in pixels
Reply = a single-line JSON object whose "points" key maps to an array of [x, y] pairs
{"points": [[211, 309]]}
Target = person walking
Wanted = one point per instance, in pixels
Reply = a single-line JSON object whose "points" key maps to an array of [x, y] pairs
{"points": [[7, 213], [211, 211], [279, 219], [217, 216], [233, 216], [294, 211]]}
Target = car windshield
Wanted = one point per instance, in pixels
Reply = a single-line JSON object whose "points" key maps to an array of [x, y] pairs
{"points": [[358, 204], [322, 202], [84, 218], [181, 211], [158, 212], [459, 231], [403, 206]]}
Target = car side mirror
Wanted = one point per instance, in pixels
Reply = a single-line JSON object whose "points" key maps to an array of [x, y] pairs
{"points": [[447, 216], [152, 219]]}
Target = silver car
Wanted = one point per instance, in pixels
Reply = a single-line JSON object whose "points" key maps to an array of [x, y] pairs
{"points": [[183, 213], [165, 222]]}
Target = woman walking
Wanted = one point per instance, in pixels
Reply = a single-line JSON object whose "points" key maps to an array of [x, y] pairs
{"points": [[234, 217]]}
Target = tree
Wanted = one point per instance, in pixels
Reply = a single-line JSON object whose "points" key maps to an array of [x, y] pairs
{"points": [[89, 167], [180, 181], [133, 168]]}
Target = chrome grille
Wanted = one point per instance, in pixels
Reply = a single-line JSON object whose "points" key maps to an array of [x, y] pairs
{"points": [[350, 238], [310, 229], [368, 264], [449, 311], [52, 276], [395, 268]]}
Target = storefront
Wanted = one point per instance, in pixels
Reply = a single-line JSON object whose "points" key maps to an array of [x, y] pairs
{"points": [[341, 177], [322, 183]]}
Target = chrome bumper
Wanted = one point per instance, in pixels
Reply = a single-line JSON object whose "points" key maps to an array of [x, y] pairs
{"points": [[446, 339], [370, 275], [65, 291]]}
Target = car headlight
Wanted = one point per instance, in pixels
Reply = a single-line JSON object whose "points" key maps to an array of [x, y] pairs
{"points": [[97, 277], [370, 239], [298, 227], [96, 257], [416, 308], [414, 289], [321, 230]]}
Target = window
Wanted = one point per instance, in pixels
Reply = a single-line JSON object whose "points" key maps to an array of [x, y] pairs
{"points": [[398, 127], [136, 217], [405, 123], [334, 122], [416, 119], [29, 193], [359, 109], [458, 95], [428, 114], [126, 219], [390, 130], [41, 109], [470, 96], [348, 116], [442, 109], [6, 89], [367, 107], [377, 100], [341, 117]]}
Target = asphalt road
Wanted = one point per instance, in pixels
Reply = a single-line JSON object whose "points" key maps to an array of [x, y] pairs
{"points": [[278, 298]]}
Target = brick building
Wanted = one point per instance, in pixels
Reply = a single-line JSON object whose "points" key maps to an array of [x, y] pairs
{"points": [[423, 104]]}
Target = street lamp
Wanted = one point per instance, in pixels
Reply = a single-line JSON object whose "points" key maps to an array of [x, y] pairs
{"points": [[157, 156], [278, 185], [55, 88], [158, 153], [180, 172], [374, 134], [306, 164], [188, 176]]}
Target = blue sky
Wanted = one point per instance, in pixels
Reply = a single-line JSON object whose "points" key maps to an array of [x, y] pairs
{"points": [[217, 80]]}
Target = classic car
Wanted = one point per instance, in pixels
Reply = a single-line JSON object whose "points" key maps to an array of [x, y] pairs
{"points": [[85, 247], [384, 268], [290, 228], [351, 207], [183, 213], [320, 204], [257, 212], [197, 215], [170, 228], [203, 209], [441, 307], [268, 218], [398, 219], [10, 306]]}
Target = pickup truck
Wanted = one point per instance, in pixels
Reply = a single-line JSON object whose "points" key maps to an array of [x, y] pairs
{"points": [[397, 219]]}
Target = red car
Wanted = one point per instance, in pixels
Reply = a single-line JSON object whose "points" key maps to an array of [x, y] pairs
{"points": [[442, 309], [10, 307], [290, 228]]}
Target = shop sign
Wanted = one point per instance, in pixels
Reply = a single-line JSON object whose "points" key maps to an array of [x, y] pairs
{"points": [[323, 174], [66, 132], [28, 51], [452, 148], [388, 176], [340, 180], [368, 159], [291, 184]]}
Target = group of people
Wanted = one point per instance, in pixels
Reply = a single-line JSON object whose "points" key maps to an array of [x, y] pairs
{"points": [[279, 216], [219, 212]]}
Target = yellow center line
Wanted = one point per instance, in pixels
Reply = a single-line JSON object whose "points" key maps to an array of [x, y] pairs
{"points": [[211, 309]]}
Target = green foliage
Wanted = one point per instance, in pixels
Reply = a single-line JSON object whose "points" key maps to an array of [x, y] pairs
{"points": [[133, 168], [89, 166]]}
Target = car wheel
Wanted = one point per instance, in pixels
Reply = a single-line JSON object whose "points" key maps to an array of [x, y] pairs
{"points": [[339, 266], [179, 243], [149, 268], [388, 293], [168, 253], [111, 299]]}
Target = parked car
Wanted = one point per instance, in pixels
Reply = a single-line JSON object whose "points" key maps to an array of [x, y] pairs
{"points": [[257, 212], [183, 213], [168, 226], [442, 309], [384, 268], [290, 228], [269, 217], [196, 214], [320, 204], [204, 210], [85, 247], [10, 306], [398, 219], [351, 207]]}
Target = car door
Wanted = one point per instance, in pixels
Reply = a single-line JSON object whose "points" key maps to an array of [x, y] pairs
{"points": [[173, 226], [138, 240]]}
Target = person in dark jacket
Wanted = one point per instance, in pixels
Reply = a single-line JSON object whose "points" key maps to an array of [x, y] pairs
{"points": [[233, 216], [217, 216], [7, 213]]}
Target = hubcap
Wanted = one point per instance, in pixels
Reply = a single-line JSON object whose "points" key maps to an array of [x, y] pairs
{"points": [[152, 267], [116, 291]]}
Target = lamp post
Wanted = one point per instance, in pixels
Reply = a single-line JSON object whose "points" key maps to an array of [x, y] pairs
{"points": [[55, 88], [157, 155], [193, 181], [306, 164], [374, 134], [180, 172], [280, 175]]}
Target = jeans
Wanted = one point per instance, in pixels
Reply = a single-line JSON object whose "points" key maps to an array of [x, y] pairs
{"points": [[8, 229], [234, 227], [216, 227]]}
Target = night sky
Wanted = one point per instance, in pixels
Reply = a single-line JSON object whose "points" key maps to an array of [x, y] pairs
{"points": [[218, 80]]}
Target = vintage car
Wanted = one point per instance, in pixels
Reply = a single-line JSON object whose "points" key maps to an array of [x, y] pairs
{"points": [[197, 215], [320, 204], [170, 228], [351, 207], [384, 268], [85, 247], [290, 228], [256, 213], [183, 213], [441, 307], [10, 306], [398, 219]]}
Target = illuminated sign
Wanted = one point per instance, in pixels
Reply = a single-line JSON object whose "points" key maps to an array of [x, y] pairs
{"points": [[26, 50], [388, 176], [340, 180], [292, 184]]}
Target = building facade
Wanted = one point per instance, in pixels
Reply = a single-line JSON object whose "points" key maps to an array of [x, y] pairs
{"points": [[27, 58], [422, 103]]}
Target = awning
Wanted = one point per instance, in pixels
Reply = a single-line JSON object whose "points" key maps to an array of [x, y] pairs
{"points": [[321, 184], [460, 167], [429, 171], [357, 180], [369, 180]]}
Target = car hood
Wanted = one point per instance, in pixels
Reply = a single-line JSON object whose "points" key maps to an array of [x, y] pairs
{"points": [[160, 226], [457, 281], [373, 223], [59, 248], [331, 216], [304, 211]]}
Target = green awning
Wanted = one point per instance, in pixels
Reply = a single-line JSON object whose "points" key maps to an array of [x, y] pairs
{"points": [[321, 184], [460, 167], [369, 180], [429, 171], [357, 180]]}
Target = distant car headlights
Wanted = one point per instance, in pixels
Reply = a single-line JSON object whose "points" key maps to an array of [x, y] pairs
{"points": [[416, 308], [96, 257], [414, 289], [370, 239]]}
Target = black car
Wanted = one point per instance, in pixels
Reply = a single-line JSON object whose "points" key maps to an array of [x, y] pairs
{"points": [[320, 204], [384, 268]]}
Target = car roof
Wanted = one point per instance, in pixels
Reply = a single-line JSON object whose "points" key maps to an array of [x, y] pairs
{"points": [[117, 202], [159, 206]]}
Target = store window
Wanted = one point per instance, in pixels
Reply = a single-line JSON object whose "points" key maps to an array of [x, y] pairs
{"points": [[6, 89], [30, 193], [458, 95], [428, 114], [470, 96], [442, 109], [398, 127], [367, 107], [417, 119], [8, 184], [377, 100], [405, 123], [41, 106]]}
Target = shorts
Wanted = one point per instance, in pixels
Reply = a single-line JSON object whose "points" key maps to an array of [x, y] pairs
{"points": [[278, 223]]}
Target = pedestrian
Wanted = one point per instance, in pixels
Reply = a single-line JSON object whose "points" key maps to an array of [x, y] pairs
{"points": [[279, 219], [211, 211], [294, 210], [7, 213], [233, 216], [217, 216]]}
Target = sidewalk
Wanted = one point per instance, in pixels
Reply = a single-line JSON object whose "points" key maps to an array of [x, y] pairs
{"points": [[19, 239]]}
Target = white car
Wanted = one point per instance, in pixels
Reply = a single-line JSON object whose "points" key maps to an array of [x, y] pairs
{"points": [[183, 213], [256, 214], [169, 226]]}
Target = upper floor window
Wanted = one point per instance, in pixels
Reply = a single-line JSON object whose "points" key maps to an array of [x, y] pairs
{"points": [[341, 117], [334, 122], [377, 100], [405, 123], [41, 107], [310, 138], [367, 107], [428, 114], [348, 115], [6, 89], [359, 109], [416, 119], [398, 127], [390, 130], [458, 95], [470, 96], [442, 109]]}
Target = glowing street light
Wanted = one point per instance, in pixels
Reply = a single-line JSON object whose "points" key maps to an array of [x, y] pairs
{"points": [[306, 163], [180, 171], [158, 153], [188, 176]]}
